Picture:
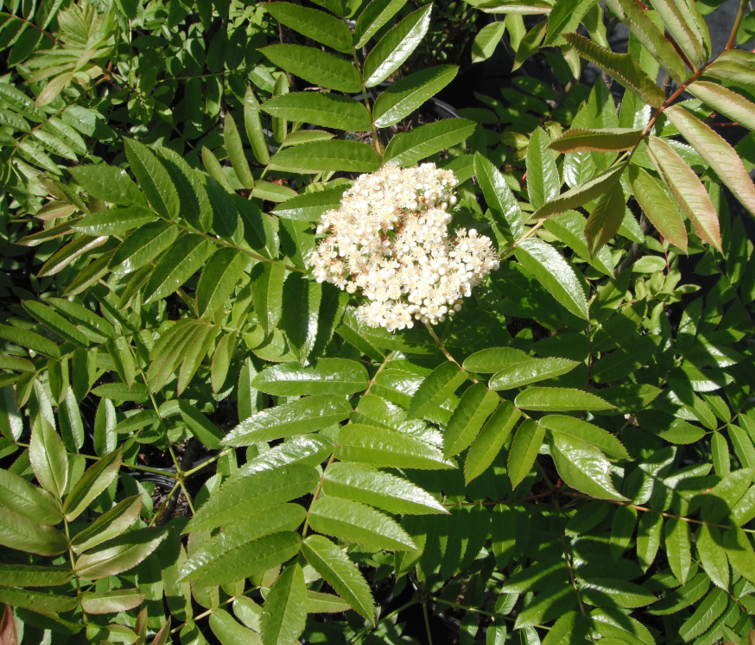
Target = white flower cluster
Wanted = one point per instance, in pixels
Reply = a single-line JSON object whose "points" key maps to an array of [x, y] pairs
{"points": [[389, 238]]}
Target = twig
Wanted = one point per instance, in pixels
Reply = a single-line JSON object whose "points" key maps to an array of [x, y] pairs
{"points": [[737, 22], [575, 586]]}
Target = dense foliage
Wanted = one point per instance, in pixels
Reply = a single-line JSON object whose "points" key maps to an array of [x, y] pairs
{"points": [[202, 442]]}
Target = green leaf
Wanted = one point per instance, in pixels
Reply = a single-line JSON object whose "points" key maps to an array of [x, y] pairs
{"points": [[300, 313], [408, 148], [325, 109], [487, 40], [108, 183], [25, 535], [253, 126], [740, 553], [529, 43], [611, 592], [325, 603], [524, 450], [435, 389], [315, 66], [310, 206], [396, 46], [658, 207], [327, 156], [489, 442], [375, 15], [721, 499], [11, 422], [613, 623], [254, 544], [570, 627], [678, 547], [606, 218], [726, 102], [74, 249], [360, 443], [359, 524], [329, 376], [253, 493], [554, 273], [29, 339], [119, 554], [588, 432], [545, 607], [24, 575], [177, 265], [383, 490], [285, 608], [476, 405], [559, 399], [291, 419], [529, 371], [122, 392], [267, 293], [622, 67], [55, 322], [219, 278], [498, 196], [235, 150], [339, 572], [537, 577], [36, 600], [722, 158], [215, 170], [48, 457], [110, 602], [114, 221], [542, 174], [230, 632], [95, 480], [153, 179], [108, 525], [685, 596], [709, 609], [406, 95], [581, 194], [494, 359], [194, 201], [687, 189], [142, 246], [96, 328], [314, 24], [713, 555], [648, 539], [27, 501], [515, 7], [583, 466]]}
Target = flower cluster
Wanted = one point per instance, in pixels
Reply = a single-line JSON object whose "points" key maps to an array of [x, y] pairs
{"points": [[389, 238]]}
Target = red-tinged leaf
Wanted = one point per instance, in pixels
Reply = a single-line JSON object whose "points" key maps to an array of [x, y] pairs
{"points": [[717, 152], [658, 207], [8, 634], [622, 67], [725, 101], [687, 189], [605, 140]]}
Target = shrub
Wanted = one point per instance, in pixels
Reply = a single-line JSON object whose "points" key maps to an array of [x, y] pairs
{"points": [[208, 430]]}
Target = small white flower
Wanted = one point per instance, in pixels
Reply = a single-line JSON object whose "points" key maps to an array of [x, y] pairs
{"points": [[389, 238]]}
